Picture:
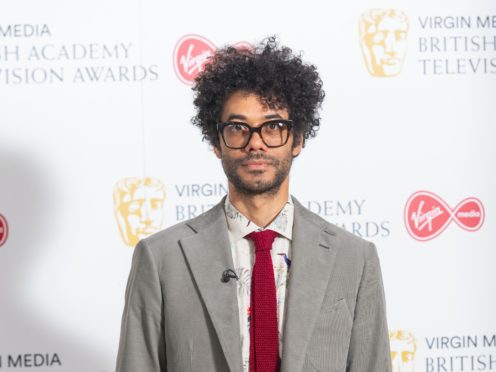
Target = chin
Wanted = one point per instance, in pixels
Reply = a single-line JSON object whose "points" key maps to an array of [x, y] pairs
{"points": [[258, 181]]}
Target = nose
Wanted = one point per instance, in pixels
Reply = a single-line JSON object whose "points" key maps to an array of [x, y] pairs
{"points": [[255, 143]]}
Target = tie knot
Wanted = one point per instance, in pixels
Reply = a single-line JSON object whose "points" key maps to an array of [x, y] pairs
{"points": [[263, 239]]}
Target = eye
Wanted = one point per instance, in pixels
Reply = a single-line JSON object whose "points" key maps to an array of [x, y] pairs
{"points": [[236, 127], [274, 126]]}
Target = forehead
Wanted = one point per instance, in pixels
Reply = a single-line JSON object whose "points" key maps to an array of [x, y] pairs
{"points": [[250, 106]]}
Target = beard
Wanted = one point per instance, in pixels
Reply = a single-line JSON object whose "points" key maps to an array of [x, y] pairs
{"points": [[257, 187]]}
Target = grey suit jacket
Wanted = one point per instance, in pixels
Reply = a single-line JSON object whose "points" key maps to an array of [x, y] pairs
{"points": [[180, 317]]}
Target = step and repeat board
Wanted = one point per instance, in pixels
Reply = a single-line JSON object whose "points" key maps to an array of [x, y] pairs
{"points": [[97, 151]]}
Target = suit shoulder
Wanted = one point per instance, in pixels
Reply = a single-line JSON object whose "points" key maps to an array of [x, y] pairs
{"points": [[352, 251], [169, 238], [169, 235], [347, 240], [347, 237]]}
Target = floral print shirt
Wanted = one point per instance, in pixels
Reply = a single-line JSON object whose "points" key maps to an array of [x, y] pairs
{"points": [[243, 252]]}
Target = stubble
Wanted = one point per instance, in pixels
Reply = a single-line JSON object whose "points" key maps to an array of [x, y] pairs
{"points": [[257, 187]]}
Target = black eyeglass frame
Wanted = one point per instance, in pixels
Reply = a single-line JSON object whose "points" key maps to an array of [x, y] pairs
{"points": [[221, 126]]}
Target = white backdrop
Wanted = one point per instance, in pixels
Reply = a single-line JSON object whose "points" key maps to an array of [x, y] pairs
{"points": [[94, 92]]}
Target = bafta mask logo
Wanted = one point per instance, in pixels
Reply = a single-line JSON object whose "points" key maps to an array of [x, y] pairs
{"points": [[4, 230], [138, 207], [403, 348], [383, 40]]}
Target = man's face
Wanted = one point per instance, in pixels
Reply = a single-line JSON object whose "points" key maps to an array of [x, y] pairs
{"points": [[255, 169], [142, 213]]}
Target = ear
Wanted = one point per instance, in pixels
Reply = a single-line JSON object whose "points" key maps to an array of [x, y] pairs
{"points": [[218, 151], [297, 146]]}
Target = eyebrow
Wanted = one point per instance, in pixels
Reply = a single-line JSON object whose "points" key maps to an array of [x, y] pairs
{"points": [[242, 117]]}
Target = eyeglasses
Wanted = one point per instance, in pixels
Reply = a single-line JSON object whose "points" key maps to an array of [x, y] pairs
{"points": [[274, 133]]}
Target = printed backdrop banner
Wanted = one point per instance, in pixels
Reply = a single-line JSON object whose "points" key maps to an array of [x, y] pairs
{"points": [[97, 151]]}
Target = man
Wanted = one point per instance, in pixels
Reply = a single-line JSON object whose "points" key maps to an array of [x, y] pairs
{"points": [[214, 293]]}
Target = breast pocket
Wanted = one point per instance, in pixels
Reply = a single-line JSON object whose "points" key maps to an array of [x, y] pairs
{"points": [[328, 347]]}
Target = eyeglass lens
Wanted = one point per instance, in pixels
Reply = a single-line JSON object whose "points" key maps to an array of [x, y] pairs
{"points": [[273, 133]]}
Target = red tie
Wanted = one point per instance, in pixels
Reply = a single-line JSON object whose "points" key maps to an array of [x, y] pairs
{"points": [[264, 336]]}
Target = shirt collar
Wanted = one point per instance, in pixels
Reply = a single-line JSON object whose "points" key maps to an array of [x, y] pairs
{"points": [[239, 226]]}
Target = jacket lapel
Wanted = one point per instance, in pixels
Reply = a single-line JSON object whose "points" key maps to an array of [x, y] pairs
{"points": [[313, 250], [208, 254]]}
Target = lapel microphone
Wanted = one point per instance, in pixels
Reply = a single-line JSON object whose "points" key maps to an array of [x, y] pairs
{"points": [[227, 275]]}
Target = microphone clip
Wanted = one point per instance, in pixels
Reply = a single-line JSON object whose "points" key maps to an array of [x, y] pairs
{"points": [[227, 275]]}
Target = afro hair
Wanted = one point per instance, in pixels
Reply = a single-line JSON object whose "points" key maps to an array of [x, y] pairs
{"points": [[274, 73]]}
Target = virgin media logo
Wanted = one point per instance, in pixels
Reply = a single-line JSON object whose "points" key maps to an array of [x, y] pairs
{"points": [[4, 230], [192, 53], [427, 215]]}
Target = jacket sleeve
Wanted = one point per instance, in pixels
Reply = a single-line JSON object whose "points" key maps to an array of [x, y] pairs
{"points": [[142, 343], [369, 345]]}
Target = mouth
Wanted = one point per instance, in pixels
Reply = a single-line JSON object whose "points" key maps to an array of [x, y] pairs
{"points": [[256, 164]]}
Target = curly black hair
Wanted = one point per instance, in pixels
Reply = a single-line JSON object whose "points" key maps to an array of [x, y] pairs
{"points": [[280, 78]]}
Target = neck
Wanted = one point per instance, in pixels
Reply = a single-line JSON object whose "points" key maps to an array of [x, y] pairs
{"points": [[263, 208]]}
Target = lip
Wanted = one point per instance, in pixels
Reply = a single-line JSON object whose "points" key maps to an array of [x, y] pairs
{"points": [[256, 163]]}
